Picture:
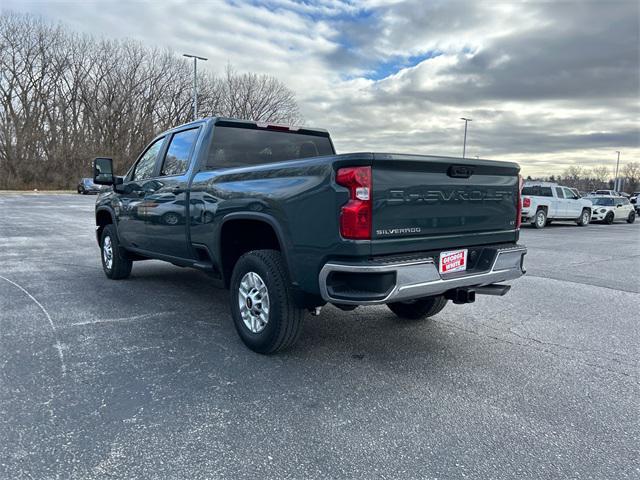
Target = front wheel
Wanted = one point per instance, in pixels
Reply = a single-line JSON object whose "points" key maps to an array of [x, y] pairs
{"points": [[585, 218], [632, 217], [541, 219], [418, 309], [608, 219], [262, 307], [115, 265]]}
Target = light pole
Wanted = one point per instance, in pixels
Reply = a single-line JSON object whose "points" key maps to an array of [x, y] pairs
{"points": [[615, 182], [464, 142], [195, 82]]}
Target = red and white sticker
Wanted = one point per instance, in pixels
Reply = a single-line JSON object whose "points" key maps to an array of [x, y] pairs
{"points": [[453, 261]]}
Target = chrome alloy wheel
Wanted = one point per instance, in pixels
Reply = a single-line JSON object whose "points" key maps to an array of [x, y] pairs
{"points": [[586, 217], [253, 299], [540, 219], [107, 252]]}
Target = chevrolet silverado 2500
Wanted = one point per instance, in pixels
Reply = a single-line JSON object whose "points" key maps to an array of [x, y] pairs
{"points": [[275, 215]]}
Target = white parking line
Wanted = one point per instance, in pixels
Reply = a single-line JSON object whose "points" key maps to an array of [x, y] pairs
{"points": [[53, 327]]}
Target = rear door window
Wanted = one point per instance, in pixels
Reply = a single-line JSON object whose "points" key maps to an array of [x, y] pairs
{"points": [[537, 191], [559, 192], [176, 160]]}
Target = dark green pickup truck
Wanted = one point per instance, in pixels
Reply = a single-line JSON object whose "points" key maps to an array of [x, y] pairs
{"points": [[275, 215]]}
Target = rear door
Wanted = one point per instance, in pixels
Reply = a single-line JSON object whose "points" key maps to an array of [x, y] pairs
{"points": [[424, 203], [166, 205]]}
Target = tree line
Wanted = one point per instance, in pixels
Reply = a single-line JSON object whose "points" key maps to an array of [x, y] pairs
{"points": [[597, 178], [67, 97]]}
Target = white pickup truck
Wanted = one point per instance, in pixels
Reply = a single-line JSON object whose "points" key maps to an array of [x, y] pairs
{"points": [[543, 202]]}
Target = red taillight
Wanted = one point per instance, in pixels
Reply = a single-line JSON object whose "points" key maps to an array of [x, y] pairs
{"points": [[519, 207], [355, 215], [526, 202]]}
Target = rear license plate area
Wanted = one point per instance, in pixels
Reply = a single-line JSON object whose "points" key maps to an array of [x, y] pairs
{"points": [[453, 261]]}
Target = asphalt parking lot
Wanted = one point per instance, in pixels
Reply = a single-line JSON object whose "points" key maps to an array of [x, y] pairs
{"points": [[146, 378]]}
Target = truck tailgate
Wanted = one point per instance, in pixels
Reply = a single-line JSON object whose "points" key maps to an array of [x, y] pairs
{"points": [[430, 203]]}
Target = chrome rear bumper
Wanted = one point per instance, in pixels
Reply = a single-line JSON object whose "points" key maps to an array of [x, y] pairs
{"points": [[415, 279]]}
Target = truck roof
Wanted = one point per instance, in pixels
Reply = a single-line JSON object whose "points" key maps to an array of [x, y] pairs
{"points": [[254, 124]]}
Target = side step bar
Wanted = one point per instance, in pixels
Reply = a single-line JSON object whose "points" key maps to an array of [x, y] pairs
{"points": [[493, 289]]}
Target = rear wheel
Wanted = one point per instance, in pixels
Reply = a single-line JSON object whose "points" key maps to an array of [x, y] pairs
{"points": [[418, 309], [114, 262], [171, 218], [608, 219], [262, 307], [632, 217], [540, 220], [585, 218]]}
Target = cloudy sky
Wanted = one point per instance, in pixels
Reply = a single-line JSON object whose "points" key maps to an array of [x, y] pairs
{"points": [[548, 84]]}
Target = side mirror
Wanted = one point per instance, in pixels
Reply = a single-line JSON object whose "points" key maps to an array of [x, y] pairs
{"points": [[103, 171]]}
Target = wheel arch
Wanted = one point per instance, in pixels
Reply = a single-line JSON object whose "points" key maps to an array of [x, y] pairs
{"points": [[104, 216], [240, 221]]}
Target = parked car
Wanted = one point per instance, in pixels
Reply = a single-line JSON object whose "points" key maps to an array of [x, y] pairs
{"points": [[275, 215], [634, 201], [608, 209], [544, 202], [86, 186], [607, 193]]}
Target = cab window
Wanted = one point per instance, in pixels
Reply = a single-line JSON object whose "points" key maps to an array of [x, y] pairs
{"points": [[559, 192], [176, 160], [568, 193], [146, 165]]}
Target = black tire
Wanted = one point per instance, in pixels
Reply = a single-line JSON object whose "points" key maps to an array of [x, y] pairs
{"points": [[608, 218], [285, 318], [418, 309], [80, 190], [170, 218], [632, 217], [585, 218], [540, 220], [120, 265]]}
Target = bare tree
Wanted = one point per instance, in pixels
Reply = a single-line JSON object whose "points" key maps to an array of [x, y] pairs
{"points": [[65, 98], [631, 171], [574, 176], [599, 174], [257, 97]]}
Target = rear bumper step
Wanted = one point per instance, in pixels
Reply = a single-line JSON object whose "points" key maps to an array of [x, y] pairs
{"points": [[375, 283]]}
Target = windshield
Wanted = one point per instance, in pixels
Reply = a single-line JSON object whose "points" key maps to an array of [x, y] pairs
{"points": [[606, 202], [88, 181], [236, 146]]}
